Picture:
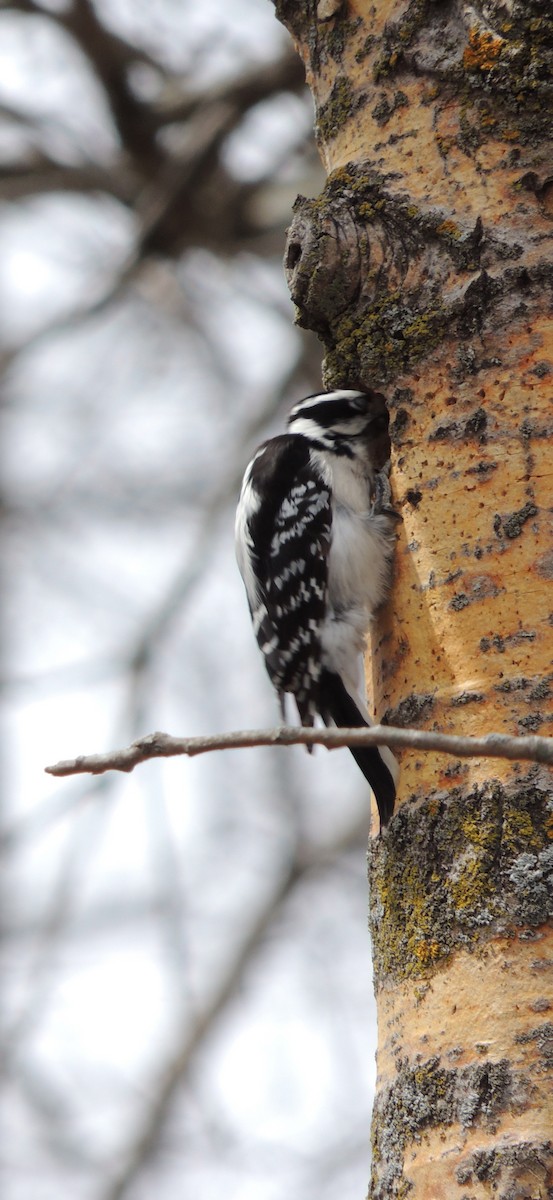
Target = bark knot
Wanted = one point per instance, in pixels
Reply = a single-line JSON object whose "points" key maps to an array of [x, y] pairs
{"points": [[322, 261]]}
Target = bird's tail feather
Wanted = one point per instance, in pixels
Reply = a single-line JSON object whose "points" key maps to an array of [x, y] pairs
{"points": [[377, 763]]}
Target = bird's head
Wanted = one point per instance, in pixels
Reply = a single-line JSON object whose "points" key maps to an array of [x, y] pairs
{"points": [[345, 422]]}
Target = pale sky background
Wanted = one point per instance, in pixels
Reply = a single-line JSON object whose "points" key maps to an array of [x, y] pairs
{"points": [[125, 899]]}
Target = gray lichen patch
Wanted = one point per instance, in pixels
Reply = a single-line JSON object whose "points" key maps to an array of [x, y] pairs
{"points": [[509, 1168], [454, 431], [427, 1095], [467, 698], [510, 525], [534, 691], [412, 710], [500, 643], [542, 1038], [532, 878], [544, 565], [460, 868], [477, 588]]}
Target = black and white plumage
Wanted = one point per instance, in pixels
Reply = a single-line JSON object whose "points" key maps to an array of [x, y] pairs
{"points": [[314, 542]]}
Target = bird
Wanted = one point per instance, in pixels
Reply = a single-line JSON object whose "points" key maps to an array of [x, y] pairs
{"points": [[315, 536]]}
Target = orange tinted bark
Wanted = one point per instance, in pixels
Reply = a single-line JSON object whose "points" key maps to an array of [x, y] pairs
{"points": [[426, 268]]}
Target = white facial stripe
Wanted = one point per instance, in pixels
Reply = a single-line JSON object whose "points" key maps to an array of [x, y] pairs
{"points": [[313, 401], [305, 425], [349, 427]]}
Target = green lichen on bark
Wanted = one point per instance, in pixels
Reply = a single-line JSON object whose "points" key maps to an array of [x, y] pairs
{"points": [[334, 35], [385, 108], [388, 337], [387, 329], [399, 35], [457, 870], [342, 103], [296, 15], [365, 48], [323, 39], [369, 195], [375, 326]]}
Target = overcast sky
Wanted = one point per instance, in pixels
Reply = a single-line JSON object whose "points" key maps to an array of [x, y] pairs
{"points": [[129, 901]]}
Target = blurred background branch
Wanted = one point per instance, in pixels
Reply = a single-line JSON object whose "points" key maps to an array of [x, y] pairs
{"points": [[170, 1019]]}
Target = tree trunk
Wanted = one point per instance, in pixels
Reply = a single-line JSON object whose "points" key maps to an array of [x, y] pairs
{"points": [[426, 268]]}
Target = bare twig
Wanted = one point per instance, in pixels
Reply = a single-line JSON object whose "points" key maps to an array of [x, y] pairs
{"points": [[164, 745]]}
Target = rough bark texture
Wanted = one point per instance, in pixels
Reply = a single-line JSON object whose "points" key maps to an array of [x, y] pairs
{"points": [[426, 268]]}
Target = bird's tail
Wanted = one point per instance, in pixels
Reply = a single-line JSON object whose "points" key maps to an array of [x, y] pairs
{"points": [[380, 768]]}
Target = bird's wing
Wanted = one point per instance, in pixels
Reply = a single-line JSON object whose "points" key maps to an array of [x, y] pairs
{"points": [[291, 533]]}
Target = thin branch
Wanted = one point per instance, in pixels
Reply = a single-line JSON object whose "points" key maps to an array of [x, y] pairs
{"points": [[284, 74], [41, 174], [69, 321], [164, 745]]}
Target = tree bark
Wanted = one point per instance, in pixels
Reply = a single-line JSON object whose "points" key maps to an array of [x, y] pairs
{"points": [[426, 269]]}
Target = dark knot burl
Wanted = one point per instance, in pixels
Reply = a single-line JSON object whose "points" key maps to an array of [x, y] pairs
{"points": [[322, 261]]}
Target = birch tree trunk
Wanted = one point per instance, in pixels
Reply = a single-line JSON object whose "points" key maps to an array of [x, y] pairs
{"points": [[426, 268]]}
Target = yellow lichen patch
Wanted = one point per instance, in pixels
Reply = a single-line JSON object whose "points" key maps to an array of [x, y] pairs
{"points": [[483, 50], [428, 951], [449, 229], [472, 885]]}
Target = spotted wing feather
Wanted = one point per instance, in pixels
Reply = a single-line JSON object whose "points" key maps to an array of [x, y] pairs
{"points": [[292, 540]]}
